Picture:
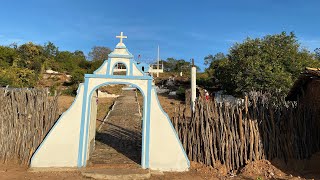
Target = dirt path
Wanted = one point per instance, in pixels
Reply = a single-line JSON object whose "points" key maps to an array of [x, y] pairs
{"points": [[119, 139]]}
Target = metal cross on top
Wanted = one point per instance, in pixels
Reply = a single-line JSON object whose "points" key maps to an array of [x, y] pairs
{"points": [[121, 37]]}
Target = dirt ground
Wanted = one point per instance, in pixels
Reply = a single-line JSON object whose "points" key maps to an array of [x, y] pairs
{"points": [[258, 170], [64, 102], [16, 172], [118, 141]]}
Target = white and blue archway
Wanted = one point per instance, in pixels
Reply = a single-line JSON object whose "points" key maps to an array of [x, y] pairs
{"points": [[92, 83], [68, 142]]}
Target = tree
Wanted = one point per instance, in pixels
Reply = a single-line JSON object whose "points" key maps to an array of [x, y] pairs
{"points": [[17, 77], [31, 56], [50, 50], [7, 56], [214, 62], [99, 53], [317, 52], [210, 59], [271, 63], [174, 65]]}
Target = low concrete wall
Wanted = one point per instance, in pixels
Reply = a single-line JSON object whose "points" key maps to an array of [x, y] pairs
{"points": [[166, 151], [61, 145]]}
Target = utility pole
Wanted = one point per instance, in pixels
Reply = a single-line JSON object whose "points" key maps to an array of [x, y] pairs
{"points": [[158, 61], [193, 85]]}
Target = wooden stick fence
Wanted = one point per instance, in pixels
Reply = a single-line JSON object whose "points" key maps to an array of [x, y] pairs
{"points": [[26, 115], [234, 135]]}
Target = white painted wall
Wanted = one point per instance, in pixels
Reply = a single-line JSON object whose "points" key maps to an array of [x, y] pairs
{"points": [[166, 151], [136, 71], [193, 86], [102, 69], [60, 147]]}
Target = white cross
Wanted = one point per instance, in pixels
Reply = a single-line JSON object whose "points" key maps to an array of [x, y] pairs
{"points": [[121, 37]]}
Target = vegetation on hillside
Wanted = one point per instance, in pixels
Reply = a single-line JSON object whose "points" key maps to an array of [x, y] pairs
{"points": [[21, 66], [176, 65], [270, 64]]}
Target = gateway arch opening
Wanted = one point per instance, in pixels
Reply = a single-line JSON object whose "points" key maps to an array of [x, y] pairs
{"points": [[118, 125]]}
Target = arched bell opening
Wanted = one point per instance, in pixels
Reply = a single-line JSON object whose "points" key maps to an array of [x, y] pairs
{"points": [[120, 69]]}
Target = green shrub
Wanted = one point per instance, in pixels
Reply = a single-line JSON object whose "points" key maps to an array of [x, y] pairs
{"points": [[71, 90], [18, 77], [181, 92]]}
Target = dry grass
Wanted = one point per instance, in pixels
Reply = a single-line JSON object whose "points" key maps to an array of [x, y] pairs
{"points": [[112, 89], [104, 106], [64, 102]]}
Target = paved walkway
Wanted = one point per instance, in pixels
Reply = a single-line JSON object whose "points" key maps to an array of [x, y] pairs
{"points": [[119, 140]]}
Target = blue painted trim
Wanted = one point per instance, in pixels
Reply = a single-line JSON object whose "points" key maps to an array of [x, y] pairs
{"points": [[88, 120], [145, 65], [137, 66], [118, 77], [131, 67], [84, 106], [147, 161], [117, 62], [169, 121], [120, 56], [88, 110], [130, 53], [55, 124], [143, 152], [103, 64]]}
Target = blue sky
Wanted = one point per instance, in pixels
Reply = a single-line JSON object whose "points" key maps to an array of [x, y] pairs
{"points": [[183, 29]]}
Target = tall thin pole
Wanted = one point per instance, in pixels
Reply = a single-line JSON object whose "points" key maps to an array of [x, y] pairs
{"points": [[158, 61], [193, 85]]}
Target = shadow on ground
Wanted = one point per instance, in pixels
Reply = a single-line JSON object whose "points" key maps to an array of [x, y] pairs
{"points": [[124, 141]]}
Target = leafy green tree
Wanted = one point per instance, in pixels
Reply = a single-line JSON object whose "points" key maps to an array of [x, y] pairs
{"points": [[317, 52], [271, 63], [50, 50], [7, 56], [21, 66], [174, 65], [30, 56], [170, 64], [17, 77], [77, 76], [214, 62]]}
